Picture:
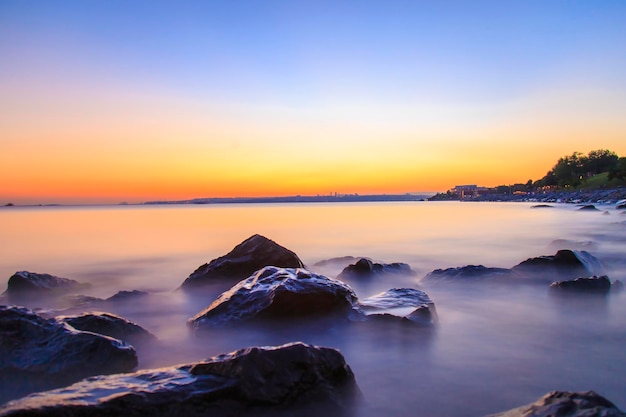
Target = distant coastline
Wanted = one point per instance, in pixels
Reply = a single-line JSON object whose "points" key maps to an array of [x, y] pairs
{"points": [[334, 198], [598, 196]]}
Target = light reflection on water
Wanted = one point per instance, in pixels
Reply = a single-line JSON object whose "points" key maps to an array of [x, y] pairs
{"points": [[493, 349]]}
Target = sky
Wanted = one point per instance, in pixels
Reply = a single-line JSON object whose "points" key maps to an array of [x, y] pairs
{"points": [[110, 101]]}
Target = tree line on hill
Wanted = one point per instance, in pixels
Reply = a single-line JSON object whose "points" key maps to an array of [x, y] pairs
{"points": [[571, 172]]}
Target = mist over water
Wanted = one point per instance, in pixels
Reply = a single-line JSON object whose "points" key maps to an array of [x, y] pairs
{"points": [[494, 348]]}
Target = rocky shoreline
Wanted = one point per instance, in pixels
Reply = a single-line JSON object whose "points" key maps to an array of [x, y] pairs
{"points": [[599, 196], [54, 350]]}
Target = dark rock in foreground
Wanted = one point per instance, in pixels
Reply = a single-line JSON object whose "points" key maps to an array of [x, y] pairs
{"points": [[36, 352], [365, 268], [566, 404], [565, 264], [110, 325], [249, 256], [592, 285], [469, 273], [24, 285], [278, 293], [294, 379]]}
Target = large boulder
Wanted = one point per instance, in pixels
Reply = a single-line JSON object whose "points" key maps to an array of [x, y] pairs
{"points": [[278, 293], [36, 352], [593, 285], [249, 256], [365, 268], [25, 286], [110, 325], [566, 404], [469, 273], [294, 379], [565, 264]]}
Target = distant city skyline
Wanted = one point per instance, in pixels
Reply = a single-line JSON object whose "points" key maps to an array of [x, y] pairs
{"points": [[103, 102]]}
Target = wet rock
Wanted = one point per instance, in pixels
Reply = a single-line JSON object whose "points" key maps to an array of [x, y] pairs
{"points": [[278, 293], [294, 379], [37, 353], [110, 325], [541, 206], [469, 273], [592, 285], [249, 256], [26, 286], [566, 404], [365, 268], [621, 206], [423, 316], [588, 207], [565, 264], [396, 298]]}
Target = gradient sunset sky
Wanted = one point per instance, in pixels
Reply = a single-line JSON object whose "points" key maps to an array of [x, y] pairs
{"points": [[108, 101]]}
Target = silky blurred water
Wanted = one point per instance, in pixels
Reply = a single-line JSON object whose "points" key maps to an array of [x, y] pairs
{"points": [[493, 348]]}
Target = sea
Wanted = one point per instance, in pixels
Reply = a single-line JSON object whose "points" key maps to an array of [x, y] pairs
{"points": [[492, 349]]}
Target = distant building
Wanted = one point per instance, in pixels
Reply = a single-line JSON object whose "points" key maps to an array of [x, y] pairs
{"points": [[469, 191]]}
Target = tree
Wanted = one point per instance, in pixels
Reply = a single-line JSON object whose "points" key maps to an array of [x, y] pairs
{"points": [[619, 171]]}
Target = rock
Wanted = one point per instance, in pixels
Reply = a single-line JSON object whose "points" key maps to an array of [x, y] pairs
{"points": [[293, 379], [110, 325], [566, 404], [588, 207], [36, 352], [126, 295], [541, 206], [593, 285], [621, 206], [24, 286], [365, 268], [565, 264], [249, 256], [617, 286], [400, 298], [278, 293], [606, 213], [469, 273], [340, 260], [396, 298]]}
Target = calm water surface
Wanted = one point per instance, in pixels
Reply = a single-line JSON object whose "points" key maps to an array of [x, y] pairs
{"points": [[493, 349]]}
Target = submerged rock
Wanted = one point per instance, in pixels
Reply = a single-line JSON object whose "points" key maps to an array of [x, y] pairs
{"points": [[365, 268], [249, 256], [565, 264], [566, 404], [36, 352], [541, 206], [592, 285], [126, 295], [278, 293], [110, 325], [24, 286], [293, 379], [469, 273]]}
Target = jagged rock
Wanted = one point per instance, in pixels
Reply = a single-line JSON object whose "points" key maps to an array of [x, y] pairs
{"points": [[24, 285], [293, 379], [110, 325], [365, 268], [278, 293], [36, 352], [566, 404], [469, 273], [588, 207], [592, 285], [565, 264], [249, 256]]}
